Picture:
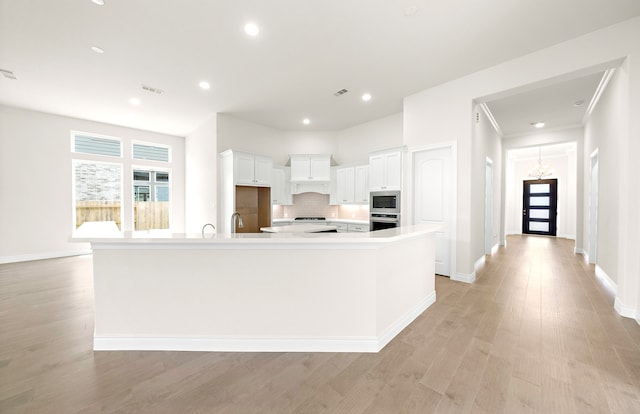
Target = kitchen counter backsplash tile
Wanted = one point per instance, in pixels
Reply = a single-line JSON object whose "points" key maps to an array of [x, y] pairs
{"points": [[317, 205]]}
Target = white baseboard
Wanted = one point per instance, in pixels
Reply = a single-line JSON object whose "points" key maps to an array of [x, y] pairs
{"points": [[638, 317], [264, 344], [495, 248], [41, 256], [463, 277], [626, 311], [602, 275], [567, 236], [405, 320], [503, 242], [479, 262], [236, 344]]}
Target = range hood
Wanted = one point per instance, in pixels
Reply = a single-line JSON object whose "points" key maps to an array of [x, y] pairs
{"points": [[322, 187]]}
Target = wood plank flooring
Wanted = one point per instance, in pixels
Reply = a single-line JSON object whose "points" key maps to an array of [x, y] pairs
{"points": [[537, 333]]}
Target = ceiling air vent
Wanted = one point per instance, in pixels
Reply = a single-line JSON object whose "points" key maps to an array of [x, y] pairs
{"points": [[8, 74], [340, 92], [152, 89]]}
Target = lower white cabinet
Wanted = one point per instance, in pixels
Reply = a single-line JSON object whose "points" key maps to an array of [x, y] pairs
{"points": [[352, 228], [346, 227]]}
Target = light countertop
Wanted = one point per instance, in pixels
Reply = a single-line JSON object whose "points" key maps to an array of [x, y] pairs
{"points": [[299, 228], [152, 240]]}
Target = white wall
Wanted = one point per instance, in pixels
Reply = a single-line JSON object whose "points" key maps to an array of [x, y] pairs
{"points": [[355, 143], [444, 114], [602, 132], [201, 173], [36, 218], [486, 143]]}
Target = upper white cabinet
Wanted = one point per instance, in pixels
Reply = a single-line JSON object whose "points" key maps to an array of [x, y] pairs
{"points": [[361, 193], [385, 170], [352, 185], [310, 168], [281, 186], [252, 170]]}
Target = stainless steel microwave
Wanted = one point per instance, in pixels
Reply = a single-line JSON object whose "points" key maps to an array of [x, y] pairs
{"points": [[384, 202]]}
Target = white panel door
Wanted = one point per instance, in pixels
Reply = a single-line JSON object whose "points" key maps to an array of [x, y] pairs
{"points": [[432, 202]]}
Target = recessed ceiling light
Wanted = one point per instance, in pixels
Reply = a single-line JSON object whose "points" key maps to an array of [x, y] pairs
{"points": [[97, 49], [134, 101], [578, 103], [411, 10], [538, 124], [251, 29], [98, 2], [204, 85], [366, 97], [306, 121]]}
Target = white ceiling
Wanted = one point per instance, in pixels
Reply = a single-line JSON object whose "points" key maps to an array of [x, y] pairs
{"points": [[555, 105], [306, 51]]}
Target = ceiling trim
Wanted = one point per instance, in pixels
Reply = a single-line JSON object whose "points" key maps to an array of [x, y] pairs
{"points": [[493, 121], [599, 90]]}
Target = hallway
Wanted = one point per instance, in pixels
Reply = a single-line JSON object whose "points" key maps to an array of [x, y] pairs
{"points": [[537, 332]]}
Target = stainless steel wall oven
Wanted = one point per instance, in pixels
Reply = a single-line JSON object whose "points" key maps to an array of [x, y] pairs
{"points": [[384, 209]]}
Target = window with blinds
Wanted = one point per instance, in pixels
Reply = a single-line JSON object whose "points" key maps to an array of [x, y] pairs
{"points": [[150, 152], [87, 144]]}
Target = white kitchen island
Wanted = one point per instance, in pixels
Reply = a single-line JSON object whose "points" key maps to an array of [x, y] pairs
{"points": [[339, 292]]}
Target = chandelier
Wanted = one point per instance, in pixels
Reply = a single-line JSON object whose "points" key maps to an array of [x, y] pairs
{"points": [[540, 170]]}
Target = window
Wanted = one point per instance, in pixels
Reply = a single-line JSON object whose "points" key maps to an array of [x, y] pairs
{"points": [[97, 194], [97, 145], [150, 152], [151, 207], [99, 182]]}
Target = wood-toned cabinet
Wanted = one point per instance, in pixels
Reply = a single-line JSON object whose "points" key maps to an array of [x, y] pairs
{"points": [[385, 170]]}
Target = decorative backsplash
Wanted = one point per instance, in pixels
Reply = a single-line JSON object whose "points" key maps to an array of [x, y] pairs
{"points": [[317, 205]]}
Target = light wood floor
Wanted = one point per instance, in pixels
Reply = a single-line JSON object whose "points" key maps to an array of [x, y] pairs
{"points": [[536, 333]]}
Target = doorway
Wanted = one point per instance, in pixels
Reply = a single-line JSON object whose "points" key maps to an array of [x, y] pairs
{"points": [[488, 206], [539, 207], [593, 209]]}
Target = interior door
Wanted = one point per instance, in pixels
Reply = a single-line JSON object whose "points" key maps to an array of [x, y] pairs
{"points": [[539, 207], [432, 203]]}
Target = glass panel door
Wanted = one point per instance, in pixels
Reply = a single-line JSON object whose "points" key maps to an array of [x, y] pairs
{"points": [[539, 204]]}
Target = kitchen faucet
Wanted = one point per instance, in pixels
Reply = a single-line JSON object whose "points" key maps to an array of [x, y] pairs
{"points": [[233, 222]]}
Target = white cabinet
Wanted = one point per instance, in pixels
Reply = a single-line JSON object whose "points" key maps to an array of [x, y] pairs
{"points": [[357, 228], [345, 226], [361, 193], [281, 186], [385, 170], [252, 170], [352, 185], [310, 168], [345, 184]]}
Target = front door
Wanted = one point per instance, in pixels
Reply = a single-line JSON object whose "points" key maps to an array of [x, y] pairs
{"points": [[539, 207]]}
